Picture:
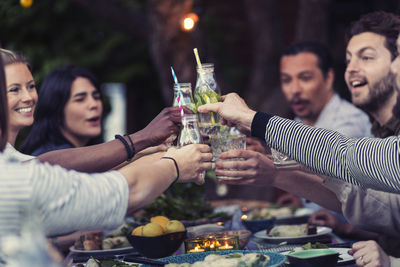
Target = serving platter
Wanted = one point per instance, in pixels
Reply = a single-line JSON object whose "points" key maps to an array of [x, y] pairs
{"points": [[321, 231], [276, 259]]}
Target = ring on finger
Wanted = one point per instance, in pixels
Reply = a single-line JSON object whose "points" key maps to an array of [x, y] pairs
{"points": [[361, 259]]}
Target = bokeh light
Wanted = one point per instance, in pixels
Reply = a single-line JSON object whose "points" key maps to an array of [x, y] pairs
{"points": [[189, 22], [26, 3]]}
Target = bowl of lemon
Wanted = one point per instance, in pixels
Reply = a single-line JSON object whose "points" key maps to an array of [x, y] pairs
{"points": [[159, 238]]}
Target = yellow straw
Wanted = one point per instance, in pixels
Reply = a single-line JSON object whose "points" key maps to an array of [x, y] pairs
{"points": [[196, 54]]}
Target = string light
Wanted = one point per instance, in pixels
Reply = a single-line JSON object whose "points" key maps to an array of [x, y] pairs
{"points": [[26, 3], [189, 22]]}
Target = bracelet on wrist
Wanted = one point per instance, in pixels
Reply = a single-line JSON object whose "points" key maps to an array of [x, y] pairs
{"points": [[132, 144], [129, 151], [176, 167]]}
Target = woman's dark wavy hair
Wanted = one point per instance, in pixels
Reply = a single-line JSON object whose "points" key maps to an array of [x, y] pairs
{"points": [[379, 22], [49, 114]]}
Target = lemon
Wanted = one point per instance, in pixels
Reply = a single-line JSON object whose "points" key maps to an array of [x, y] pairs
{"points": [[152, 229], [138, 230], [161, 220], [175, 226]]}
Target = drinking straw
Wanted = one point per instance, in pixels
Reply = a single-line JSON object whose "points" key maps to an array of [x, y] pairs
{"points": [[180, 96], [196, 55]]}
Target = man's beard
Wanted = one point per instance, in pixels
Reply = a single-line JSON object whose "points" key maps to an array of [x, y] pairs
{"points": [[379, 93]]}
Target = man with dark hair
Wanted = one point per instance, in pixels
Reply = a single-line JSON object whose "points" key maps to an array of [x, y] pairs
{"points": [[307, 78], [307, 82], [370, 50]]}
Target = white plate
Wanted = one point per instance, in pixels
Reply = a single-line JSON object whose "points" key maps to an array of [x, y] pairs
{"points": [[115, 251], [321, 230], [344, 255]]}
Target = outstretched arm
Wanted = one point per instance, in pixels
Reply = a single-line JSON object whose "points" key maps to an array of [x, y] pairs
{"points": [[105, 156], [370, 162], [258, 169]]}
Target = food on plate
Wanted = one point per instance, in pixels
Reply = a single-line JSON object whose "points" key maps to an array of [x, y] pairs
{"points": [[230, 260], [271, 212], [97, 241], [92, 241], [308, 246], [294, 230], [159, 225], [115, 242]]}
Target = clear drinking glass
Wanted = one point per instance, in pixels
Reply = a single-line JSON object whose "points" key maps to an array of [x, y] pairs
{"points": [[225, 142], [207, 91], [281, 160]]}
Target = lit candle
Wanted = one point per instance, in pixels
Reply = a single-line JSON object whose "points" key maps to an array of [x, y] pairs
{"points": [[196, 249], [226, 246]]}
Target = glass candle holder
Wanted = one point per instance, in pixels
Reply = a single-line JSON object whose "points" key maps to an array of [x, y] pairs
{"points": [[227, 242], [194, 245], [209, 242]]}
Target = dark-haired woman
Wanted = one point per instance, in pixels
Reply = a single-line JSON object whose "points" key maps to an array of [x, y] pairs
{"points": [[68, 113]]}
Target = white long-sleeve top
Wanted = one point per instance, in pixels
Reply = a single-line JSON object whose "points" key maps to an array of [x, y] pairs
{"points": [[65, 200]]}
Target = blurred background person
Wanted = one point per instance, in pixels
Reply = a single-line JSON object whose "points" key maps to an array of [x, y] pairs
{"points": [[307, 79], [69, 112]]}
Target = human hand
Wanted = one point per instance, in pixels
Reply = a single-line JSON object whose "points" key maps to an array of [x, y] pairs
{"points": [[369, 253], [326, 218], [289, 200], [233, 110], [255, 169], [255, 145], [165, 124], [192, 161]]}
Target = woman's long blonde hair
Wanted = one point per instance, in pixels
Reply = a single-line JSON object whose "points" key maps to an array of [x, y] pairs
{"points": [[3, 107]]}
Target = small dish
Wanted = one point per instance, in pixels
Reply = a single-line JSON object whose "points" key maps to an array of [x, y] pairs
{"points": [[258, 225], [313, 257]]}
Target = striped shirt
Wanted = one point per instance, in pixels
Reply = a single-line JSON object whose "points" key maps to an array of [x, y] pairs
{"points": [[369, 162], [65, 201]]}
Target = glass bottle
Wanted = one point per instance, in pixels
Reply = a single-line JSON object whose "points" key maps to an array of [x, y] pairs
{"points": [[190, 133], [207, 91], [187, 97]]}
